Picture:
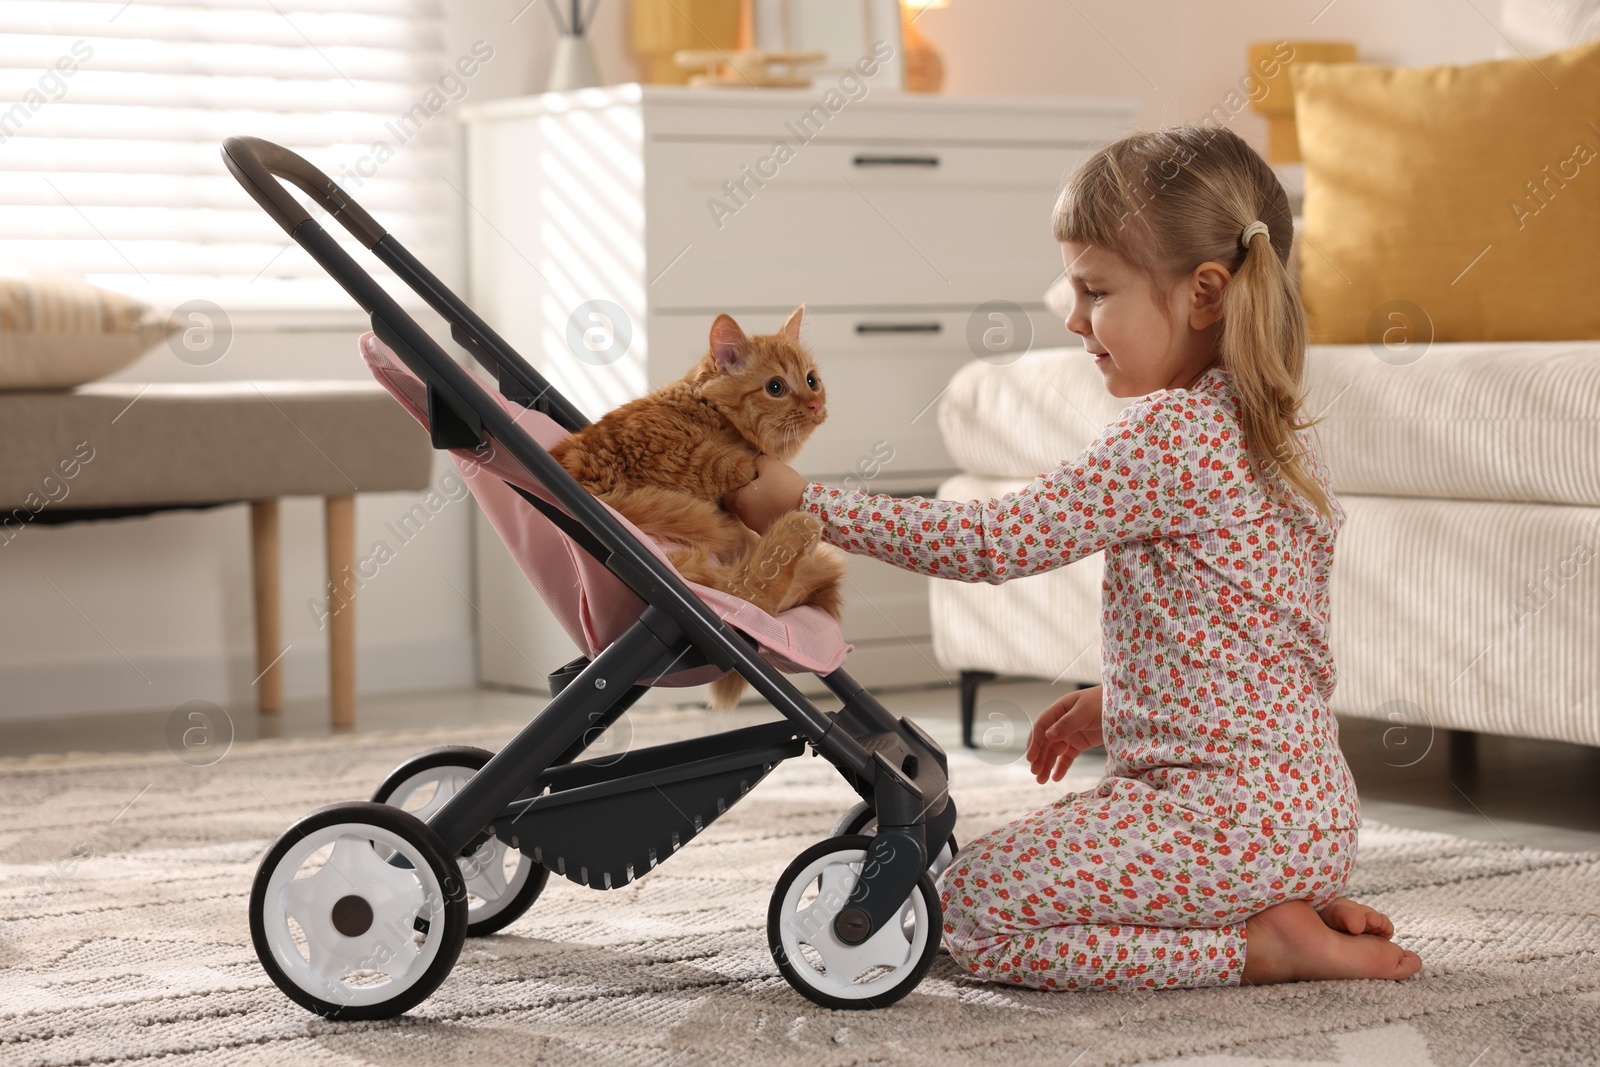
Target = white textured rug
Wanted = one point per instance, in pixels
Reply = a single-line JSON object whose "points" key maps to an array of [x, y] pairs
{"points": [[124, 939]]}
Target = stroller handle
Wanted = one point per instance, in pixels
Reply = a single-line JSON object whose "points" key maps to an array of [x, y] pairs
{"points": [[258, 165]]}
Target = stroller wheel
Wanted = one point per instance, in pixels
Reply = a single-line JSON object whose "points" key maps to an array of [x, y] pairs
{"points": [[825, 970], [502, 882], [342, 932], [861, 820]]}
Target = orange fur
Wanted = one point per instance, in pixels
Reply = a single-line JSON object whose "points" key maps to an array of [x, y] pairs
{"points": [[666, 460]]}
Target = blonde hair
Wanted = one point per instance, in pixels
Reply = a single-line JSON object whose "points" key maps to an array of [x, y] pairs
{"points": [[1168, 200]]}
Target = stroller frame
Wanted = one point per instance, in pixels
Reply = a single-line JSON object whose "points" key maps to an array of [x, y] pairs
{"points": [[601, 821]]}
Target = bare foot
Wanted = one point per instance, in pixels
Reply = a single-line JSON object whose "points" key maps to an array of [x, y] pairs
{"points": [[1348, 917], [1290, 942]]}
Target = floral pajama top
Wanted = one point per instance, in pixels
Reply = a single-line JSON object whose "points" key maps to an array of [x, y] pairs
{"points": [[1216, 673]]}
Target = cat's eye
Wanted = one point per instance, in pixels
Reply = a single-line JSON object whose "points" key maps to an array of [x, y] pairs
{"points": [[775, 386], [811, 381]]}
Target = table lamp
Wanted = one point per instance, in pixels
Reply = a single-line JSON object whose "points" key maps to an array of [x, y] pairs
{"points": [[924, 67]]}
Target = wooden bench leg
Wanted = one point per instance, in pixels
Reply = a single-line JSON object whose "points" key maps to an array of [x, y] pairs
{"points": [[340, 536], [264, 557]]}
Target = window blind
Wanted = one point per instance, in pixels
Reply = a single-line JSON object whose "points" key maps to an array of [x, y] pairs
{"points": [[113, 113]]}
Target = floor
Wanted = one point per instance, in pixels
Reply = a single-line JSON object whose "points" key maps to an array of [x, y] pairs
{"points": [[1535, 794]]}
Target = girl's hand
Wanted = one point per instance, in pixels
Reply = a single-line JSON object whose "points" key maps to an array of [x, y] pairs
{"points": [[775, 492], [1063, 731]]}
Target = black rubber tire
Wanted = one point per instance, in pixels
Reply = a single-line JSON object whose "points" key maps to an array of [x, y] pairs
{"points": [[448, 875], [473, 759], [858, 818], [914, 977]]}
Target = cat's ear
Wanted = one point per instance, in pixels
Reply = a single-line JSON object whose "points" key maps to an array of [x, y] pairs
{"points": [[729, 346], [791, 329]]}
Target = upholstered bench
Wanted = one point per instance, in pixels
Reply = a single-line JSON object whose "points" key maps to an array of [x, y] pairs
{"points": [[111, 450]]}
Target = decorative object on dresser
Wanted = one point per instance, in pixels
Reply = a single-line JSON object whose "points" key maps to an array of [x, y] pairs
{"points": [[613, 225], [924, 65], [750, 69], [663, 28], [573, 66], [846, 30]]}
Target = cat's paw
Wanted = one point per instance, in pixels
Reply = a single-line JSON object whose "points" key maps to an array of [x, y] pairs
{"points": [[794, 533], [799, 523]]}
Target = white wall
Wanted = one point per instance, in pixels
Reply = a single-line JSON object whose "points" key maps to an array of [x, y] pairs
{"points": [[159, 608], [1181, 59]]}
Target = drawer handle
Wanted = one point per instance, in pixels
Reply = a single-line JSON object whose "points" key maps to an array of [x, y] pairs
{"points": [[896, 161], [898, 327]]}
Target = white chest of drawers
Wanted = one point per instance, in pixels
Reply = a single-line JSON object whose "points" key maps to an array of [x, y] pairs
{"points": [[607, 228]]}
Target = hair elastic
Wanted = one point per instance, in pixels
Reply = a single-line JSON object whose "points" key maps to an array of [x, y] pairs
{"points": [[1251, 230]]}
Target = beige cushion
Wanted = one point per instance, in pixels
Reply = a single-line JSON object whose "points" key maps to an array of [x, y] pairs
{"points": [[57, 331], [1510, 421], [121, 445]]}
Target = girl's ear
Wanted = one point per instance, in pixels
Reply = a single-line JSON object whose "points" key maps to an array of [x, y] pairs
{"points": [[791, 329], [1207, 283], [729, 345]]}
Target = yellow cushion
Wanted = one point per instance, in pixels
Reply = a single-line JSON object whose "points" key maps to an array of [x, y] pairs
{"points": [[1470, 192]]}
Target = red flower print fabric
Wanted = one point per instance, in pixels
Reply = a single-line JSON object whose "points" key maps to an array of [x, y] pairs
{"points": [[1216, 673]]}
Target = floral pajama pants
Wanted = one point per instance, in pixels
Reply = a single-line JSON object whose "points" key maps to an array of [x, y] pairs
{"points": [[1126, 892]]}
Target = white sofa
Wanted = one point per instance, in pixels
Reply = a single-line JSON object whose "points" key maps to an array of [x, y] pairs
{"points": [[1466, 583]]}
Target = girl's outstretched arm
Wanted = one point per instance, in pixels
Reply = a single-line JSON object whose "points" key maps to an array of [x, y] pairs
{"points": [[1131, 482]]}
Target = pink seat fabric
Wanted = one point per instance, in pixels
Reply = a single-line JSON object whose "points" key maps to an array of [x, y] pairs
{"points": [[593, 605]]}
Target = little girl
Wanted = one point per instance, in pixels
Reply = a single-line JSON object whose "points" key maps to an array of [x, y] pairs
{"points": [[1214, 849]]}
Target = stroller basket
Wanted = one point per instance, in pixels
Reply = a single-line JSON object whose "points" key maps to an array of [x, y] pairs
{"points": [[360, 910]]}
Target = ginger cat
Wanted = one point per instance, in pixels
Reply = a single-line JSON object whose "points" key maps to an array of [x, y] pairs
{"points": [[666, 460]]}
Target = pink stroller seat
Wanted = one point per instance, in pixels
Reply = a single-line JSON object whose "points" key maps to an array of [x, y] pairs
{"points": [[592, 604]]}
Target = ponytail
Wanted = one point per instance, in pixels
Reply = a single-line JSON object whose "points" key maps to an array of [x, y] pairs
{"points": [[1264, 345]]}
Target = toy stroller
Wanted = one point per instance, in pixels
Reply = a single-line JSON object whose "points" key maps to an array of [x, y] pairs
{"points": [[359, 910]]}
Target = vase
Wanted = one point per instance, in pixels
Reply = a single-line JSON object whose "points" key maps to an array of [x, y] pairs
{"points": [[573, 65]]}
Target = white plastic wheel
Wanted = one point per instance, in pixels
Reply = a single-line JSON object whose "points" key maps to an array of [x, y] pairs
{"points": [[873, 974], [347, 928], [496, 874]]}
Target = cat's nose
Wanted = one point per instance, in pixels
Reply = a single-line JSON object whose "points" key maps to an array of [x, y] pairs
{"points": [[814, 406]]}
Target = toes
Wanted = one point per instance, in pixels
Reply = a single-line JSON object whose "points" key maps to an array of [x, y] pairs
{"points": [[1410, 963], [1377, 922], [1345, 916], [1348, 916]]}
